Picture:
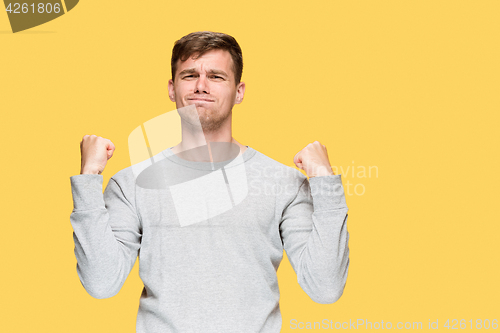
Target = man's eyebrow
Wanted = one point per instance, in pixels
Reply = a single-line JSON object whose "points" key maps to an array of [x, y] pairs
{"points": [[211, 71], [216, 71], [188, 71]]}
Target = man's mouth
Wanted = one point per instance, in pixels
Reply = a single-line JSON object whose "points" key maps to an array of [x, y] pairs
{"points": [[200, 99]]}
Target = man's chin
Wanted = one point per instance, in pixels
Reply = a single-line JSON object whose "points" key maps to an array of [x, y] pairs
{"points": [[202, 107]]}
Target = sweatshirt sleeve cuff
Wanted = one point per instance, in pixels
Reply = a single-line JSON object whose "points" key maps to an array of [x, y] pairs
{"points": [[327, 192], [87, 192]]}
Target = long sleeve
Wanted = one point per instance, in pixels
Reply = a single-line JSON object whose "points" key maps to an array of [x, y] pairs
{"points": [[107, 233], [314, 234]]}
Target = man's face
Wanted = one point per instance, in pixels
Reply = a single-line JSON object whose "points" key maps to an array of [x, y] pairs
{"points": [[207, 82]]}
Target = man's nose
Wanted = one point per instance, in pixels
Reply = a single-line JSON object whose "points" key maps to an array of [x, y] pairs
{"points": [[202, 85]]}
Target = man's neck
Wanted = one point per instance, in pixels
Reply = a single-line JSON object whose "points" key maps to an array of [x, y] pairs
{"points": [[201, 151], [196, 143]]}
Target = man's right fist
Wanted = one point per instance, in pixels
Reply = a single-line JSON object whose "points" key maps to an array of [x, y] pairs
{"points": [[96, 152]]}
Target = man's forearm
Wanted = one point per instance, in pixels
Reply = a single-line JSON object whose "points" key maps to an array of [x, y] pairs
{"points": [[103, 263]]}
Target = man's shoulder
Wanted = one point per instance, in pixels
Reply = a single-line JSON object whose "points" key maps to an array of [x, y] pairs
{"points": [[130, 174]]}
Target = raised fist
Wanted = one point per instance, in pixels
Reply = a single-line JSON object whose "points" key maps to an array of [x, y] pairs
{"points": [[96, 151], [313, 159]]}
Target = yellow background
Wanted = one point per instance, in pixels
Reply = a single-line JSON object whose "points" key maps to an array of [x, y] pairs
{"points": [[411, 87]]}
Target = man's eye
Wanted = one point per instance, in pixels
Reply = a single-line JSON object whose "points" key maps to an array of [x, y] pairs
{"points": [[217, 77], [188, 76]]}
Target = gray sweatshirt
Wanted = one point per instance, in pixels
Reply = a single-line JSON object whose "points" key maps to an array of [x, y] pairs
{"points": [[210, 238]]}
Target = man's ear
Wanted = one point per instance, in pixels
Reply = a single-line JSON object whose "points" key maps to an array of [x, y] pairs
{"points": [[240, 92], [171, 93]]}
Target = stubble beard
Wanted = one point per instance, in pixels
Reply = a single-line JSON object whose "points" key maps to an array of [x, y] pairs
{"points": [[210, 120]]}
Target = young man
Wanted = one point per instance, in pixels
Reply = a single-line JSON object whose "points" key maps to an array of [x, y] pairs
{"points": [[209, 266]]}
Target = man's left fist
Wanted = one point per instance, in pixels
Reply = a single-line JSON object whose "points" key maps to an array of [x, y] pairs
{"points": [[313, 159]]}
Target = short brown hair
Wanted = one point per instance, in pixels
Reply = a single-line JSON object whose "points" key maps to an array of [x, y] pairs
{"points": [[200, 42]]}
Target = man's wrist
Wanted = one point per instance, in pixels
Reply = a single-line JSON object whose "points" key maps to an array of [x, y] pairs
{"points": [[322, 171], [328, 193], [89, 172]]}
